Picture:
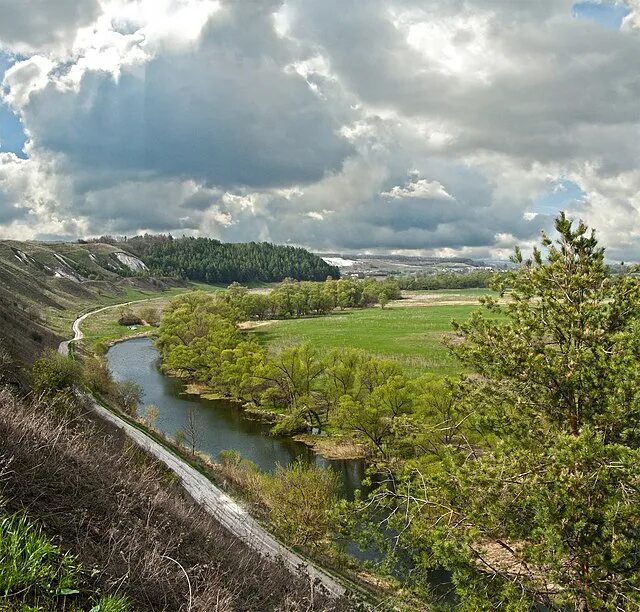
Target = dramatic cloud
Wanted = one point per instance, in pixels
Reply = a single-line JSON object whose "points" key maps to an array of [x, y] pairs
{"points": [[399, 125], [44, 25]]}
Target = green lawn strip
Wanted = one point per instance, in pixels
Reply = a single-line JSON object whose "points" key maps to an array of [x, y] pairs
{"points": [[61, 320], [103, 327]]}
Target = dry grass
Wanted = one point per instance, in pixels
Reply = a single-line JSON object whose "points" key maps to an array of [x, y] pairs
{"points": [[130, 524]]}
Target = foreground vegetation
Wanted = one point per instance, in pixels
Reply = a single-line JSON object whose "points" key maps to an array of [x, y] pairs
{"points": [[542, 508], [91, 522], [35, 574], [520, 478]]}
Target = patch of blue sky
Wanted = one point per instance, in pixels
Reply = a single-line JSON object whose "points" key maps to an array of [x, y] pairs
{"points": [[12, 136], [557, 198], [606, 13]]}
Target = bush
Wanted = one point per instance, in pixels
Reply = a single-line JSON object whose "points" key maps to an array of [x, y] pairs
{"points": [[151, 316], [97, 376], [52, 374], [128, 317], [301, 500]]}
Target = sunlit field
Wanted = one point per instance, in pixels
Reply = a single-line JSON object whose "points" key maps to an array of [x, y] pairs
{"points": [[411, 334]]}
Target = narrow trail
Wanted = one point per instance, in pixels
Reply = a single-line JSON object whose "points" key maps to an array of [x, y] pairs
{"points": [[63, 347], [216, 502]]}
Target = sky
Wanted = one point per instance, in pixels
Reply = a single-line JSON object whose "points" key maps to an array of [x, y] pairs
{"points": [[407, 126]]}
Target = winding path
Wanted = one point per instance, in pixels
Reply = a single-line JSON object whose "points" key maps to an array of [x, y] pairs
{"points": [[216, 502]]}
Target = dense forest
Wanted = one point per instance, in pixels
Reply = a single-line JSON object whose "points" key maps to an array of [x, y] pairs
{"points": [[211, 261]]}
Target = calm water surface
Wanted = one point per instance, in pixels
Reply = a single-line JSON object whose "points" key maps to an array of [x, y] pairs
{"points": [[222, 425]]}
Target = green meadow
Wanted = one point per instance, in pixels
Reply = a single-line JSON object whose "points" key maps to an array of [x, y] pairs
{"points": [[103, 327], [413, 334]]}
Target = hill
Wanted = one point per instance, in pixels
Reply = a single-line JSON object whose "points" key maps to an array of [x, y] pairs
{"points": [[125, 521], [393, 264], [44, 285], [211, 261]]}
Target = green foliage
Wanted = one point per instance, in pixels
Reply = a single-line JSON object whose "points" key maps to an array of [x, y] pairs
{"points": [[301, 500], [35, 574], [544, 506], [199, 339], [373, 409], [52, 373], [112, 603], [33, 571], [211, 261], [448, 280], [97, 376], [292, 379], [291, 299]]}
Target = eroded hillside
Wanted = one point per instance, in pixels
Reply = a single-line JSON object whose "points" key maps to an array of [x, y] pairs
{"points": [[42, 285]]}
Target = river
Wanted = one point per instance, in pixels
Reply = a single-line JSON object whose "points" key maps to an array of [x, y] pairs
{"points": [[221, 425]]}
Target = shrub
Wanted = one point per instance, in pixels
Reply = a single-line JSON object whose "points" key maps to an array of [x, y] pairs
{"points": [[97, 376], [52, 373], [301, 500], [128, 317], [151, 316]]}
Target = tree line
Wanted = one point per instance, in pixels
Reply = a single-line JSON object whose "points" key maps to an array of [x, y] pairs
{"points": [[293, 298], [211, 261], [477, 279]]}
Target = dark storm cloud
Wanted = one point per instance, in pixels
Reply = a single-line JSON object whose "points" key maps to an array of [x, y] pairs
{"points": [[340, 124], [226, 113]]}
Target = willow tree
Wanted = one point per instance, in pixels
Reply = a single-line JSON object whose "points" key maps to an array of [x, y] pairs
{"points": [[543, 504]]}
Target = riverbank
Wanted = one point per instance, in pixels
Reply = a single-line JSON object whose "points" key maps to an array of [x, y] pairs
{"points": [[221, 426], [326, 446]]}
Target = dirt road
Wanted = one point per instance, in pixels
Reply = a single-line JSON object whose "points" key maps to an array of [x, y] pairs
{"points": [[215, 501]]}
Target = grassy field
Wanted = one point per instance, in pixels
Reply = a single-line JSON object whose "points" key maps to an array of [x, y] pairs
{"points": [[447, 294], [412, 331], [412, 335], [103, 327]]}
